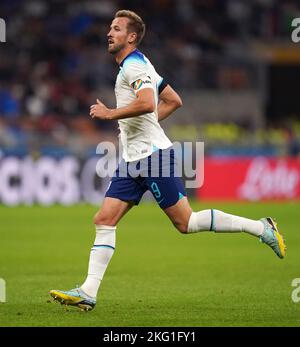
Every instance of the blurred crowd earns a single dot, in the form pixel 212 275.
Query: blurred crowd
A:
pixel 54 64
pixel 231 139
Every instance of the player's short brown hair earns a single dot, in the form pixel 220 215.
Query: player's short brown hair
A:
pixel 135 24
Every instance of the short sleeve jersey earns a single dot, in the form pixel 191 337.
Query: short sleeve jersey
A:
pixel 140 135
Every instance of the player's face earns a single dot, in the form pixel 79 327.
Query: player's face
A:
pixel 118 35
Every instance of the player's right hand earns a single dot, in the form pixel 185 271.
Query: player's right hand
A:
pixel 99 110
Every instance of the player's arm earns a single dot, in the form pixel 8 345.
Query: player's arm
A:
pixel 168 103
pixel 144 103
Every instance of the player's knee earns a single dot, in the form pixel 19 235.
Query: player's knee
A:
pixel 181 227
pixel 102 220
pixel 97 220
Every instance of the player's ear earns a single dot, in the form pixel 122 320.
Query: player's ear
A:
pixel 132 37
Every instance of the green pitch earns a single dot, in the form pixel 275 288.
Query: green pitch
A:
pixel 157 276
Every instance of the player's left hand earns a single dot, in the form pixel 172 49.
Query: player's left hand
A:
pixel 99 110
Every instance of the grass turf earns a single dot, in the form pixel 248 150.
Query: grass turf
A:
pixel 157 276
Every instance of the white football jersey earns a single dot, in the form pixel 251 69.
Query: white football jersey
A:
pixel 140 135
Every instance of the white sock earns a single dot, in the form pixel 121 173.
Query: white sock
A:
pixel 218 221
pixel 100 256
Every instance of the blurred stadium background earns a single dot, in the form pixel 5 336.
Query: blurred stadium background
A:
pixel 233 62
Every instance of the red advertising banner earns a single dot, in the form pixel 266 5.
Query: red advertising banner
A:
pixel 253 179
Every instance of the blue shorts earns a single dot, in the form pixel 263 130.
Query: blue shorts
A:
pixel 158 173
